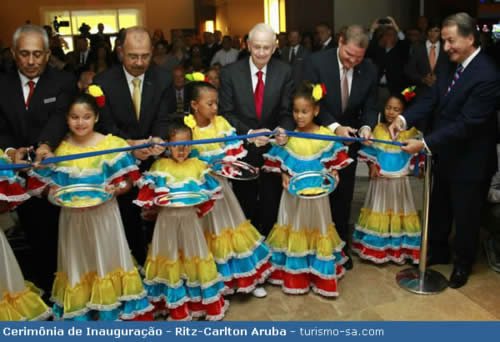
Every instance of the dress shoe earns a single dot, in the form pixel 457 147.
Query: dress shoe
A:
pixel 348 264
pixel 459 276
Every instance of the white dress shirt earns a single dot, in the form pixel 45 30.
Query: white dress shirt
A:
pixel 130 78
pixel 437 45
pixel 253 72
pixel 25 86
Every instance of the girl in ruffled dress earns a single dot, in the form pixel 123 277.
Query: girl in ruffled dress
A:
pixel 20 300
pixel 388 227
pixel 307 250
pixel 96 277
pixel 180 271
pixel 239 250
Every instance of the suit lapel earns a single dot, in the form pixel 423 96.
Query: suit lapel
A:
pixel 336 84
pixel 268 89
pixel 17 98
pixel 355 86
pixel 147 97
pixel 247 85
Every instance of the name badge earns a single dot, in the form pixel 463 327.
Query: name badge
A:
pixel 49 100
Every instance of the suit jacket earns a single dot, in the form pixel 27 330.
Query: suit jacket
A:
pixel 298 64
pixel 45 119
pixel 118 115
pixel 391 63
pixel 236 96
pixel 418 66
pixel 323 67
pixel 464 132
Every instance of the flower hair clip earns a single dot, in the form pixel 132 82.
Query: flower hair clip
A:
pixel 98 94
pixel 197 77
pixel 190 121
pixel 319 91
pixel 409 93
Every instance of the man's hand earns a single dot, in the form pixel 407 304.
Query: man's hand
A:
pixel 262 140
pixel 413 146
pixel 281 137
pixel 393 23
pixel 366 133
pixel 143 153
pixel 373 171
pixel 156 150
pixel 395 127
pixel 345 131
pixel 374 25
pixel 429 79
pixel 335 174
pixel 285 180
pixel 42 152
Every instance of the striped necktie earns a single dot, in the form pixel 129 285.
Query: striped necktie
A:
pixel 456 77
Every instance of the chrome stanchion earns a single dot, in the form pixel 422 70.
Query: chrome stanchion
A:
pixel 423 280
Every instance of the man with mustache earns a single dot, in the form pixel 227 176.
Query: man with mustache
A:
pixel 139 97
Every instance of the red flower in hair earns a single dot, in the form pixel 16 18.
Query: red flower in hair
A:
pixel 207 79
pixel 323 88
pixel 100 101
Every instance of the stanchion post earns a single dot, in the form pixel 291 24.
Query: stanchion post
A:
pixel 423 280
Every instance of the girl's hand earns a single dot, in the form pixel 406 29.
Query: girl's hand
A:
pixel 373 171
pixel 285 180
pixel 335 174
pixel 120 188
pixel 281 137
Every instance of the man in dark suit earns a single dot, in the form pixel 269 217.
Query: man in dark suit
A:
pixel 325 38
pixel 139 97
pixel 465 98
pixel 427 61
pixel 295 54
pixel 33 106
pixel 256 96
pixel 348 108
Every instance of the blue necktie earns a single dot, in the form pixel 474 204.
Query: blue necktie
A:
pixel 459 71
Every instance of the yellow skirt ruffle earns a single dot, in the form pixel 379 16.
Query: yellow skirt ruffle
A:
pixel 97 293
pixel 241 240
pixel 303 241
pixel 390 222
pixel 194 270
pixel 26 305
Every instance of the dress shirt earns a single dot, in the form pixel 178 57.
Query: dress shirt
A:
pixel 253 72
pixel 25 86
pixel 437 45
pixel 130 78
pixel 225 57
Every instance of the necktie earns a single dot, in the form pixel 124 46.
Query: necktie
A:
pixel 292 55
pixel 82 58
pixel 259 94
pixel 180 102
pixel 344 89
pixel 31 84
pixel 432 57
pixel 457 75
pixel 136 97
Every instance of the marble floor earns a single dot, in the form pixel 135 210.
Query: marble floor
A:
pixel 370 293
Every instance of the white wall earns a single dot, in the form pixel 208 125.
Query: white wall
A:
pixel 363 12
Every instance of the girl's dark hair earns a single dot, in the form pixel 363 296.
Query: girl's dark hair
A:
pixel 176 124
pixel 305 90
pixel 84 98
pixel 194 89
pixel 397 96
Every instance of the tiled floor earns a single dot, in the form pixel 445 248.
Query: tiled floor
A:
pixel 370 292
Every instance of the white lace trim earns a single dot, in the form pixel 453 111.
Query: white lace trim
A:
pixel 401 260
pixel 337 249
pixel 137 313
pixel 386 247
pixel 233 255
pixel 385 235
pixel 44 316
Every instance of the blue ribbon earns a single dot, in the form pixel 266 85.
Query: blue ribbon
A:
pixel 314 136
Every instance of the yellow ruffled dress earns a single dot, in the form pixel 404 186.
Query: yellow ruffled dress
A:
pixel 20 300
pixel 388 227
pixel 96 277
pixel 239 249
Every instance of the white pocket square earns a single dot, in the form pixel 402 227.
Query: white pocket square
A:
pixel 49 100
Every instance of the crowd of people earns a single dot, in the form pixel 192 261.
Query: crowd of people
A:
pixel 95 263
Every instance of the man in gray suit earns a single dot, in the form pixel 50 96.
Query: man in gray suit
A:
pixel 295 54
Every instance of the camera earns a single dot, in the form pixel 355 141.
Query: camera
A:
pixel 57 24
pixel 384 21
